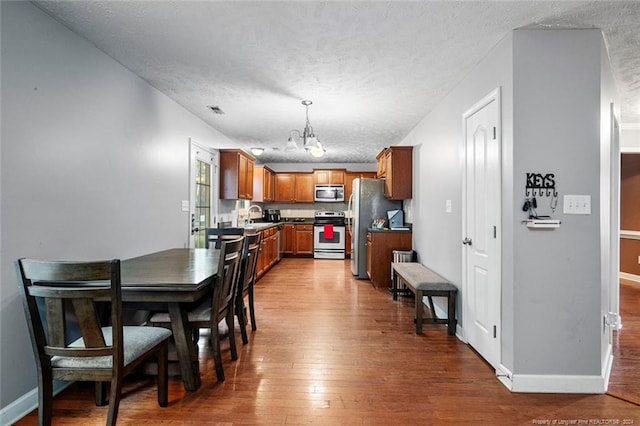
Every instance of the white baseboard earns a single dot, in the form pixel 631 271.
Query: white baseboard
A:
pixel 630 277
pixel 26 404
pixel 556 383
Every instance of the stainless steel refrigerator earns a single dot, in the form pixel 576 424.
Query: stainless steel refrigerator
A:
pixel 367 202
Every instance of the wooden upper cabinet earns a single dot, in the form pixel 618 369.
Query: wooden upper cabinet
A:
pixel 263 184
pixel 381 160
pixel 285 186
pixel 236 175
pixel 295 187
pixel 396 164
pixel 304 190
pixel 331 176
pixel 348 181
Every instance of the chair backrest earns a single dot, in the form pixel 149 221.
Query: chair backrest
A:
pixel 249 262
pixel 217 236
pixel 227 278
pixel 67 289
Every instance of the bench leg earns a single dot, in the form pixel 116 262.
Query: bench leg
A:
pixel 394 287
pixel 418 313
pixel 451 313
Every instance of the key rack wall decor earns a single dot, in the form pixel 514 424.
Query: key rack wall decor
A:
pixel 539 185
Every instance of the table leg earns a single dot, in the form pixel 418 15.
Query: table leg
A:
pixel 418 312
pixel 451 313
pixel 187 356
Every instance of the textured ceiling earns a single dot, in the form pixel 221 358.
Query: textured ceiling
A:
pixel 372 69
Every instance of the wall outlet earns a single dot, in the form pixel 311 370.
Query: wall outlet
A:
pixel 577 204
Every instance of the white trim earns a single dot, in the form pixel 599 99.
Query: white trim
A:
pixel 630 277
pixel 556 383
pixel 630 235
pixel 608 365
pixel 630 126
pixel 27 403
pixel 505 376
pixel 630 150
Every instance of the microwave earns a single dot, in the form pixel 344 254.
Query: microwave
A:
pixel 329 193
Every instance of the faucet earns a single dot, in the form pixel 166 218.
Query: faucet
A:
pixel 251 207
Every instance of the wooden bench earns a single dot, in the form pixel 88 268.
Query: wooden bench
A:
pixel 422 281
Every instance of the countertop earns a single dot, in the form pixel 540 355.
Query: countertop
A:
pixel 387 230
pixel 260 226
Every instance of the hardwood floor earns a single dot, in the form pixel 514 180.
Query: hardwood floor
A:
pixel 330 349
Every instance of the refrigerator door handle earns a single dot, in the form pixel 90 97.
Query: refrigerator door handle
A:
pixel 350 221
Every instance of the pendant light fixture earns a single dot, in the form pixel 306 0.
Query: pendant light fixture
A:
pixel 310 141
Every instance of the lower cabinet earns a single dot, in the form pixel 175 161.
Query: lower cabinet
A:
pixel 380 246
pixel 303 241
pixel 268 255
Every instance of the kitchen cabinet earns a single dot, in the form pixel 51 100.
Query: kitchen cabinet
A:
pixel 380 246
pixel 304 188
pixel 294 187
pixel 330 176
pixel 268 255
pixel 303 242
pixel 395 166
pixel 263 184
pixel 288 235
pixel 347 243
pixel 236 175
pixel 348 181
pixel 285 185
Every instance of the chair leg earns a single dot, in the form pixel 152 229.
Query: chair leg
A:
pixel 101 394
pixel 232 334
pixel 251 311
pixel 163 374
pixel 45 399
pixel 114 400
pixel 217 356
pixel 242 320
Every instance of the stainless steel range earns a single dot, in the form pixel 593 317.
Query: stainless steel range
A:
pixel 329 235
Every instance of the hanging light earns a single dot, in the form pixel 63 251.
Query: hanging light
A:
pixel 310 141
pixel 257 151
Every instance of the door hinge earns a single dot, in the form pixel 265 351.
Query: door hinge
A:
pixel 495 333
pixel 494 231
pixel 494 133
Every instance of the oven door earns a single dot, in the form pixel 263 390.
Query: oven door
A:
pixel 329 245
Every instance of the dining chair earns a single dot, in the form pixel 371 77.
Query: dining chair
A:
pixel 216 236
pixel 54 295
pixel 245 283
pixel 218 307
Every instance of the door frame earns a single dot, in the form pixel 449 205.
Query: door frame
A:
pixel 199 151
pixel 493 96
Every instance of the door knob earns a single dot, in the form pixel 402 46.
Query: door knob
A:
pixel 467 241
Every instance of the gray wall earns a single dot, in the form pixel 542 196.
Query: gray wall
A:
pixel 555 86
pixel 437 141
pixel 94 165
pixel 557 274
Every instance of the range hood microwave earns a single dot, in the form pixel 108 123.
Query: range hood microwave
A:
pixel 329 194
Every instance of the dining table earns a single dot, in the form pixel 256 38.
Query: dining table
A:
pixel 173 279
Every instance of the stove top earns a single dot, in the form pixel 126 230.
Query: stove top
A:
pixel 324 217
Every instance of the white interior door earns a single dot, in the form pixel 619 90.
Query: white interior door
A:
pixel 481 228
pixel 203 198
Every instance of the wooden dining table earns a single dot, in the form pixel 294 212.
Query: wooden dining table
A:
pixel 173 279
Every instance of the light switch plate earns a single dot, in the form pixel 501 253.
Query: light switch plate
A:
pixel 447 206
pixel 577 204
pixel 185 205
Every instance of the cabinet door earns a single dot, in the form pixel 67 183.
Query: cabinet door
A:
pixel 289 238
pixel 382 164
pixel 269 190
pixel 399 172
pixel 330 176
pixel 304 188
pixel 285 187
pixel 304 239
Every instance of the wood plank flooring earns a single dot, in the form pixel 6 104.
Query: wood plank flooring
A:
pixel 332 350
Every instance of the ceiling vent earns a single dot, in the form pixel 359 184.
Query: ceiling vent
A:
pixel 215 109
